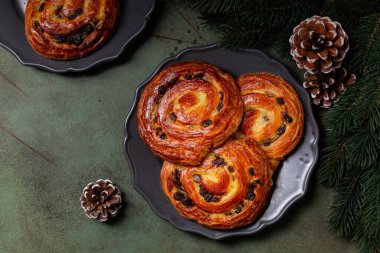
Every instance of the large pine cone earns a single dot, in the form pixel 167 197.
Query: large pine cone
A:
pixel 325 89
pixel 319 44
pixel 101 200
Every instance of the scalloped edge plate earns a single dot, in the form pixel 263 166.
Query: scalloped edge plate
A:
pixel 291 179
pixel 133 18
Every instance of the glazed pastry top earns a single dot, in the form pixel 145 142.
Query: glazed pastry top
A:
pixel 228 190
pixel 187 110
pixel 273 114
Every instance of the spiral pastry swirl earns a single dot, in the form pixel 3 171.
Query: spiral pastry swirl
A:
pixel 68 29
pixel 228 190
pixel 187 110
pixel 273 114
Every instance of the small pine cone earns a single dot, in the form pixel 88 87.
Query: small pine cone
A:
pixel 325 89
pixel 101 200
pixel 318 44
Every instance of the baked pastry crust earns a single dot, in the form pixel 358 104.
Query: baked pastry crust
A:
pixel 273 114
pixel 187 110
pixel 68 29
pixel 228 190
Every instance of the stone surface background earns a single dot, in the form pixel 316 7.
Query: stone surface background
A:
pixel 59 132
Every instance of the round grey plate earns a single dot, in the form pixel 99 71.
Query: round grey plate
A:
pixel 133 17
pixel 291 179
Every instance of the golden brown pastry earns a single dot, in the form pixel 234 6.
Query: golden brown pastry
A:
pixel 187 110
pixel 228 190
pixel 273 114
pixel 67 29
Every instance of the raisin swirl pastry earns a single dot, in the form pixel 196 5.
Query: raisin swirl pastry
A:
pixel 187 110
pixel 68 29
pixel 228 190
pixel 273 114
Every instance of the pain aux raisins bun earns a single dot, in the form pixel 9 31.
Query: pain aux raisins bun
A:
pixel 221 141
pixel 273 114
pixel 68 29
pixel 187 110
pixel 228 190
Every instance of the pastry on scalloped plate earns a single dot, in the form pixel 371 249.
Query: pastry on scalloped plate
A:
pixel 69 29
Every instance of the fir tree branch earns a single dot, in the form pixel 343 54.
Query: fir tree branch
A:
pixel 367 112
pixel 346 204
pixel 253 23
pixel 367 234
pixel 339 119
pixel 216 6
pixel 363 148
pixel 333 162
pixel 279 13
pixel 349 12
pixel 359 105
pixel 282 46
pixel 366 41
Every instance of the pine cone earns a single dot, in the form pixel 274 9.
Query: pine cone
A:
pixel 101 200
pixel 325 89
pixel 319 44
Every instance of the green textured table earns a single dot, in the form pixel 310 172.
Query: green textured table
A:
pixel 59 132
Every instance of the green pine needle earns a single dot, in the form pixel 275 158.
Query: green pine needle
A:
pixel 339 119
pixel 349 12
pixel 367 234
pixel 358 106
pixel 346 204
pixel 366 46
pixel 282 46
pixel 333 162
pixel 216 6
pixel 253 23
pixel 363 148
pixel 367 112
pixel 278 13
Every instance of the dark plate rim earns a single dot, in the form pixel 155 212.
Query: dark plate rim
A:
pixel 93 64
pixel 226 233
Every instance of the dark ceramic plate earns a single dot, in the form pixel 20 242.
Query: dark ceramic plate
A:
pixel 292 177
pixel 134 15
